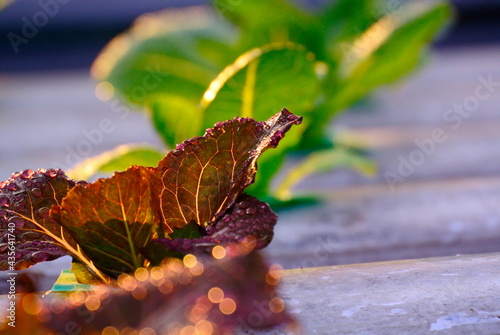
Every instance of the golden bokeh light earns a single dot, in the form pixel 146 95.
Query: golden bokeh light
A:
pixel 174 328
pixel 190 261
pixel 110 331
pixel 218 252
pixel 157 273
pixel 141 274
pixel 204 327
pixel 139 293
pixel 247 245
pixel 188 330
pixel 57 306
pixel 31 304
pixel 276 305
pixel 166 287
pixel 104 91
pixel 127 282
pixel 197 312
pixel 75 298
pixel 227 306
pixel 184 278
pixel 197 270
pixel 215 295
pixel 173 264
pixel 310 56
pixel 92 302
pixel 147 331
pixel 129 331
pixel 274 275
pixel 101 291
pixel 321 69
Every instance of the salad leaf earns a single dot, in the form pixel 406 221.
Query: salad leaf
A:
pixel 165 52
pixel 274 21
pixel 117 159
pixel 203 176
pixel 256 84
pixel 29 234
pixel 248 221
pixel 316 60
pixel 249 217
pixel 345 19
pixel 390 48
pixel 112 219
pixel 323 161
pixel 175 118
pixel 189 231
pixel 196 192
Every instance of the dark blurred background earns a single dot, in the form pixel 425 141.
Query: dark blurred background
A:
pixel 73 40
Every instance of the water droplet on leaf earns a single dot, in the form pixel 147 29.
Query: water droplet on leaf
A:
pixel 36 192
pixel 51 173
pixel 4 202
pixel 244 204
pixel 43 212
pixel 12 186
pixel 41 256
pixel 251 211
pixel 27 174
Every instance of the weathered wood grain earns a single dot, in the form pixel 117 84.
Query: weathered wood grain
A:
pixel 452 295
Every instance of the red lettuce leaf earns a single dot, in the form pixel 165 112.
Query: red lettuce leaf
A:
pixel 203 176
pixel 28 235
pixel 112 219
pixel 248 219
pixel 174 296
pixel 108 225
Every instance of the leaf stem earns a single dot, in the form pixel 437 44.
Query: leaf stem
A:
pixel 248 93
pixel 135 259
pixel 64 243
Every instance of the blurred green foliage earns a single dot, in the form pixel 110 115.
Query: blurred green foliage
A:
pixel 4 3
pixel 189 68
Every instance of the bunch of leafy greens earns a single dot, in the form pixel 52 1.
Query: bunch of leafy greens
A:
pixel 191 206
pixel 192 201
pixel 190 67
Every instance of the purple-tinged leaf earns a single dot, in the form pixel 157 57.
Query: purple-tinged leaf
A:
pixel 248 219
pixel 27 233
pixel 203 176
pixel 108 225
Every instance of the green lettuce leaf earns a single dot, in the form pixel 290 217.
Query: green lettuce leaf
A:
pixel 117 159
pixel 165 52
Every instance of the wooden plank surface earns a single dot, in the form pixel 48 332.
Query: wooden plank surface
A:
pixel 441 296
pixel 371 223
pixel 46 119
